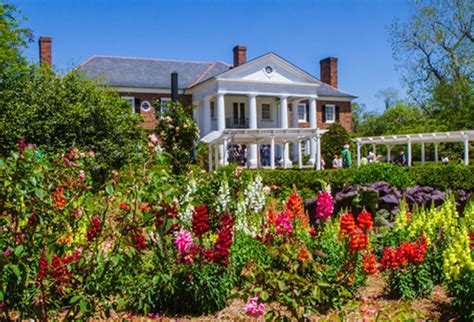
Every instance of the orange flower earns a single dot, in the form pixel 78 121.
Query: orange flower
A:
pixel 347 224
pixel 364 221
pixel 368 264
pixel 358 240
pixel 294 206
pixel 303 254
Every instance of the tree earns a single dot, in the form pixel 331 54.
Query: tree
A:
pixel 389 95
pixel 13 41
pixel 434 50
pixel 333 141
pixel 65 112
pixel 178 132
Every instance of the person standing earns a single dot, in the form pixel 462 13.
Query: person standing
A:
pixel 402 158
pixel 346 157
pixel 335 162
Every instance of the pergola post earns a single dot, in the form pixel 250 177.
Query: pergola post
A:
pixel 409 153
pixel 259 160
pixel 436 153
pixel 284 148
pixel 358 154
pixel 224 161
pixel 272 154
pixel 210 157
pixel 422 153
pixel 216 156
pixel 466 150
pixel 389 153
pixel 300 159
pixel 374 149
pixel 318 152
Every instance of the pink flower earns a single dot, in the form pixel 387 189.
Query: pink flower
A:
pixel 325 206
pixel 312 232
pixel 283 224
pixel 7 252
pixel 184 242
pixel 82 175
pixel 254 309
pixel 368 311
pixel 153 138
pixel 92 153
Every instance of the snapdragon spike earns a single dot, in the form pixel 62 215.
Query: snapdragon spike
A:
pixel 364 221
pixel 325 206
pixel 347 224
pixel 95 229
pixel 369 264
pixel 200 221
pixel 224 240
pixel 406 253
pixel 283 224
pixel 294 206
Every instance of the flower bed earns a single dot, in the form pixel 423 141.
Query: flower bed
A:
pixel 152 243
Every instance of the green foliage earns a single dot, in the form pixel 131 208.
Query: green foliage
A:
pixel 178 133
pixel 412 282
pixel 393 174
pixel 13 41
pixel 463 292
pixel 60 112
pixel 451 177
pixel 333 141
pixel 440 177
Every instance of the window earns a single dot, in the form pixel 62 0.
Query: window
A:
pixel 145 106
pixel 301 113
pixel 266 113
pixel 164 104
pixel 213 111
pixel 268 69
pixel 330 113
pixel 132 102
pixel 239 114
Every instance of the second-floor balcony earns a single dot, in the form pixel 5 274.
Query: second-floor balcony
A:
pixel 236 123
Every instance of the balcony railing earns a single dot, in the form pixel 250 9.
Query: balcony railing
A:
pixel 237 123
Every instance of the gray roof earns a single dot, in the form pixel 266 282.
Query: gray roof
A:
pixel 149 73
pixel 156 73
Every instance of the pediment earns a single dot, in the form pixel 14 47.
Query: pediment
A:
pixel 269 68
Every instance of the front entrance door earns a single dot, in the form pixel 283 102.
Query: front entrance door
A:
pixel 239 120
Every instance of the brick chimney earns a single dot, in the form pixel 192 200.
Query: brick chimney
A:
pixel 329 71
pixel 240 55
pixel 45 51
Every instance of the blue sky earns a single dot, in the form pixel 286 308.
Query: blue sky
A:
pixel 303 32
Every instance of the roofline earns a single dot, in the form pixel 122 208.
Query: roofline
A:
pixel 154 59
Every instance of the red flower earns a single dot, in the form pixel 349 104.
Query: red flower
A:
pixel 58 200
pixel 95 230
pixel 347 224
pixel 406 253
pixel 364 221
pixel 200 221
pixel 294 206
pixel 368 264
pixel 358 240
pixel 224 240
pixel 138 239
pixel 303 254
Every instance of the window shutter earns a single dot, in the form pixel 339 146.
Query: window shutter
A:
pixel 324 113
pixel 138 102
pixel 307 113
pixel 337 114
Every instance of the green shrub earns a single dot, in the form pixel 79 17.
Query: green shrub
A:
pixel 452 177
pixel 333 141
pixel 393 174
pixel 463 292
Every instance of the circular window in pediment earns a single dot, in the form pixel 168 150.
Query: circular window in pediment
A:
pixel 145 106
pixel 268 69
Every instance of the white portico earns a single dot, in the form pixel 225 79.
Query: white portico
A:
pixel 258 95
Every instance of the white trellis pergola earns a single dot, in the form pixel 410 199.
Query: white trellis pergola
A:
pixel 272 137
pixel 421 138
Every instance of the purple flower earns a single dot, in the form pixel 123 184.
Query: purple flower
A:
pixel 153 138
pixel 254 309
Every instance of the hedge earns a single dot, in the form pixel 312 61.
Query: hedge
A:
pixel 440 177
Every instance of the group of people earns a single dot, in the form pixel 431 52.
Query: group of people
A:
pixel 343 160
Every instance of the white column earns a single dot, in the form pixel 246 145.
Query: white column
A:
pixel 409 153
pixel 216 156
pixel 224 161
pixel 252 156
pixel 210 157
pixel 272 154
pixel 436 153
pixel 300 158
pixel 422 154
pixel 207 116
pixel 221 122
pixel 318 152
pixel 284 125
pixel 374 149
pixel 294 124
pixel 312 124
pixel 389 153
pixel 358 154
pixel 466 151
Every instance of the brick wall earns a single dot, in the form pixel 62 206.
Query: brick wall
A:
pixel 149 119
pixel 345 115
